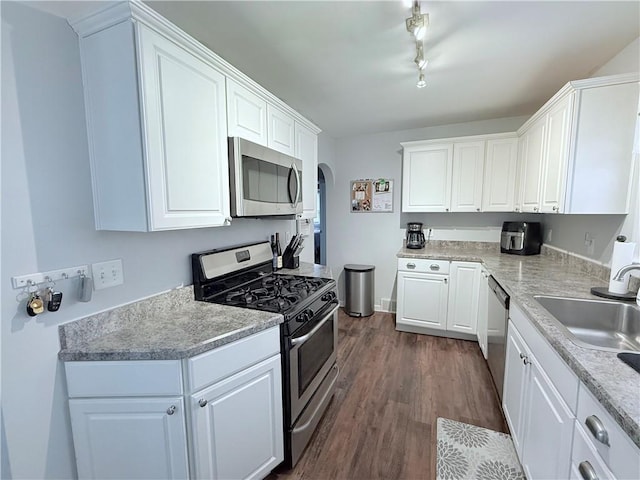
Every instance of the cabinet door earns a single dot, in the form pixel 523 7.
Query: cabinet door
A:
pixel 462 315
pixel 129 438
pixel 185 136
pixel 237 424
pixel 426 178
pixel 547 429
pixel 500 171
pixel 422 300
pixel 468 173
pixel 515 381
pixel 307 151
pixel 531 167
pixel 556 156
pixel 246 114
pixel 280 131
pixel 483 311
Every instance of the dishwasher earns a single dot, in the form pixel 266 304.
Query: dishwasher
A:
pixel 498 316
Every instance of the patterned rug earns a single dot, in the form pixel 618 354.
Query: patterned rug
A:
pixel 469 452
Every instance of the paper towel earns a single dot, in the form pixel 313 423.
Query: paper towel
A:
pixel 622 255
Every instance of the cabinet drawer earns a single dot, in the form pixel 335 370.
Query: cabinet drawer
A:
pixel 561 376
pixel 583 451
pixel 222 362
pixel 124 378
pixel 621 455
pixel 423 265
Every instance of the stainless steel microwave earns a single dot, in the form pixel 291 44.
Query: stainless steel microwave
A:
pixel 264 182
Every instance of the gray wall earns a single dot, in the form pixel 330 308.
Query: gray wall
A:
pixel 47 223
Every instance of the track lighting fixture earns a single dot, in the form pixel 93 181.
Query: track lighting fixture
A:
pixel 417 25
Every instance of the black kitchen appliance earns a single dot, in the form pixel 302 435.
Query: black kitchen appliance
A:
pixel 521 238
pixel 243 277
pixel 415 236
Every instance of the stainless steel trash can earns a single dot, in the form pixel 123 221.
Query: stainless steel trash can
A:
pixel 359 283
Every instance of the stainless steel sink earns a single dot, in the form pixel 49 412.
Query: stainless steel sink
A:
pixel 605 325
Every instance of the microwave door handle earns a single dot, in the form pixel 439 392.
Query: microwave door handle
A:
pixel 297 175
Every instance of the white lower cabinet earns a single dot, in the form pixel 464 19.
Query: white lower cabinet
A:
pixel 437 297
pixel 221 419
pixel 129 438
pixel 541 423
pixel 464 293
pixel 237 424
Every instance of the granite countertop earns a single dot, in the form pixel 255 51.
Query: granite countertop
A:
pixel 614 383
pixel 168 326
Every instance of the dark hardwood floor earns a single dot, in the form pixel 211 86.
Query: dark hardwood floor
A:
pixel 392 387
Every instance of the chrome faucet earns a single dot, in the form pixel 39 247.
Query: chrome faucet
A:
pixel 626 269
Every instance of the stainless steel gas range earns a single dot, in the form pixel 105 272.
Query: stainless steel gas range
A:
pixel 242 276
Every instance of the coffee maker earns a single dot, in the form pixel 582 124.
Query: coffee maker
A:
pixel 415 237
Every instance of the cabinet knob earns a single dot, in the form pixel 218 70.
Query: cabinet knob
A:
pixel 411 265
pixel 555 209
pixel 477 209
pixel 596 427
pixel 517 209
pixel 202 402
pixel 446 280
pixel 227 221
pixel 171 410
pixel 446 209
pixel 535 209
pixel 586 471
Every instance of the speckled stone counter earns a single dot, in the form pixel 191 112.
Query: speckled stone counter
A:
pixel 168 326
pixel 615 384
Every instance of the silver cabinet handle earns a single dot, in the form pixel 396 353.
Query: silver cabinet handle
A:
pixel 586 471
pixel 411 265
pixel 555 209
pixel 535 209
pixel 171 410
pixel 203 402
pixel 434 266
pixel 521 355
pixel 597 429
pixel 526 360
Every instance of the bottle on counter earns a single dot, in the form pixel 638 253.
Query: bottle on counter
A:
pixel 274 252
pixel 278 252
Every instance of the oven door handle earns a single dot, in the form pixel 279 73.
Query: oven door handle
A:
pixel 304 338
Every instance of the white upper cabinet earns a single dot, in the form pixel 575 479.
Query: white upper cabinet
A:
pixel 531 162
pixel 462 174
pixel 468 173
pixel 427 171
pixel 156 120
pixel 157 103
pixel 586 132
pixel 500 175
pixel 246 114
pixel 307 150
pixel 280 131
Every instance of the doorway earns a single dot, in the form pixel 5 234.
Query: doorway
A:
pixel 320 222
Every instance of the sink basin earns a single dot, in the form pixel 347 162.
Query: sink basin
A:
pixel 604 325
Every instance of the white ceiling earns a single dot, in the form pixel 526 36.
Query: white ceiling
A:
pixel 348 66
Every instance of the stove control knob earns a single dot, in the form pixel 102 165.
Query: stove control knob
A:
pixel 327 297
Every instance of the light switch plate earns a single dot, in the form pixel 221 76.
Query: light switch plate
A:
pixel 107 274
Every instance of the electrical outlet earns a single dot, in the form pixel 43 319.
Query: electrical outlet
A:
pixel 549 235
pixel 107 274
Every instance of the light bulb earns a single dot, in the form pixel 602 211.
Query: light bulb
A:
pixel 421 82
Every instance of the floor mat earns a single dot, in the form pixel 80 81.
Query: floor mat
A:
pixel 469 452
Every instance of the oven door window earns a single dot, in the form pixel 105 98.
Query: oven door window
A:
pixel 313 354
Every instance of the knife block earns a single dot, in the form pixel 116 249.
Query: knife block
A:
pixel 290 261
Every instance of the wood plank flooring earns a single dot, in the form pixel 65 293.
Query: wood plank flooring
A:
pixel 392 387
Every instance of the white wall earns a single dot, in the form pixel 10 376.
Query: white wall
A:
pixel 375 238
pixel 47 223
pixel 569 230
